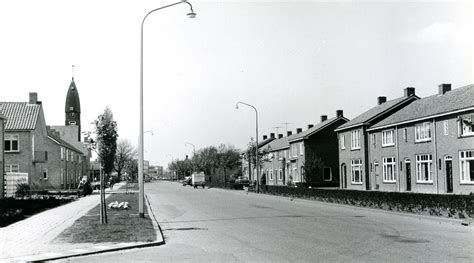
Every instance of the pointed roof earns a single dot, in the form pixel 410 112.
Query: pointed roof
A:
pixel 20 115
pixel 435 105
pixel 72 99
pixel 376 112
pixel 318 127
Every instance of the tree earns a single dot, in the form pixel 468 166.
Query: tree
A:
pixel 313 166
pixel 206 160
pixel 250 155
pixel 124 155
pixel 106 132
pixel 228 158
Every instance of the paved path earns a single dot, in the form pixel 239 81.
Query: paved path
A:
pixel 215 225
pixel 34 237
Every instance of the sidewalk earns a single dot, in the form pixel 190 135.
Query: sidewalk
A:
pixel 33 239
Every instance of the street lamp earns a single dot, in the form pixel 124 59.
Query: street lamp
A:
pixel 141 197
pixel 256 139
pixel 194 148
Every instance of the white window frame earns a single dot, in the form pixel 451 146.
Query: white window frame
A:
pixel 355 139
pixel 389 169
pixel 62 153
pixel 67 155
pixel 61 176
pixel 301 148
pixel 446 127
pixel 280 174
pixel 423 132
pixel 388 138
pixel 424 161
pixel 271 175
pixel 9 168
pixel 294 173
pixel 343 141
pixel 464 129
pixel 356 166
pixel 11 139
pixel 465 158
pixel 330 174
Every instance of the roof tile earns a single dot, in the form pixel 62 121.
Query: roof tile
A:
pixel 20 115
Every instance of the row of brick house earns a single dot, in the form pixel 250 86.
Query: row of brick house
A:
pixel 408 144
pixel 49 157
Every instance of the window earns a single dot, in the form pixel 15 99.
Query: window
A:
pixel 466 125
pixel 45 174
pixel 405 135
pixel 12 168
pixel 61 176
pixel 276 156
pixel 294 150
pixel 387 138
pixel 302 173
pixel 271 174
pixel 466 164
pixel 423 132
pixel 280 174
pixel 355 139
pixel 374 140
pixel 343 142
pixel 388 169
pixel 446 127
pixel 327 174
pixel 424 169
pixel 67 154
pixel 11 142
pixel 294 172
pixel 356 171
pixel 301 148
pixel 62 153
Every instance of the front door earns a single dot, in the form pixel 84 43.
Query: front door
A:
pixel 408 173
pixel 449 176
pixel 344 176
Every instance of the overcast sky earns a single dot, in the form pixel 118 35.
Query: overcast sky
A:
pixel 294 61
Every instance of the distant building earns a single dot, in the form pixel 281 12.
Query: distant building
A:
pixel 315 150
pixel 354 141
pixel 248 170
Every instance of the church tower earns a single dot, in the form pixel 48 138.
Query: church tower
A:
pixel 73 108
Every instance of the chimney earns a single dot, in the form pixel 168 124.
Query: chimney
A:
pixel 443 88
pixel 299 130
pixel 265 137
pixel 381 99
pixel 288 133
pixel 280 136
pixel 310 126
pixel 33 97
pixel 272 135
pixel 339 113
pixel 324 118
pixel 409 91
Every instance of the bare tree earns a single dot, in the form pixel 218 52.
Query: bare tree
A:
pixel 123 156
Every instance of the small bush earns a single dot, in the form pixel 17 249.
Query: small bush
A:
pixel 22 189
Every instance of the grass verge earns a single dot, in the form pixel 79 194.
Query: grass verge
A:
pixel 123 225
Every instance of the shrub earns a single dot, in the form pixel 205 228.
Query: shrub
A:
pixel 22 189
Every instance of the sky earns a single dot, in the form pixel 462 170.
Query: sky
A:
pixel 293 61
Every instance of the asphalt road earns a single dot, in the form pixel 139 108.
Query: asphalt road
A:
pixel 215 225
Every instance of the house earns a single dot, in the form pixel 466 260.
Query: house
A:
pixel 2 128
pixel 247 170
pixel 314 150
pixel 426 147
pixel 354 142
pixel 33 151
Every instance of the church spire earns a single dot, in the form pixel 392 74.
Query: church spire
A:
pixel 73 106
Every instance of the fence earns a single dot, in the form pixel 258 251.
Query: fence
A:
pixel 11 182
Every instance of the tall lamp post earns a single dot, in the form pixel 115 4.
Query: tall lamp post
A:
pixel 141 197
pixel 256 140
pixel 194 148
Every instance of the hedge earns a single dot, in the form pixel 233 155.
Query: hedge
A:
pixel 457 206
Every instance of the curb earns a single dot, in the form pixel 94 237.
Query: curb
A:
pixel 83 252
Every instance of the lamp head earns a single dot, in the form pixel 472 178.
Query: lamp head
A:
pixel 191 15
pixel 236 106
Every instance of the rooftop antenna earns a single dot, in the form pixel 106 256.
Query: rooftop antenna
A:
pixel 286 126
pixel 277 128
